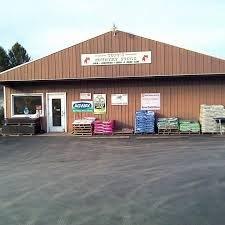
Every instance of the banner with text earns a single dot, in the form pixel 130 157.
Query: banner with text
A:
pixel 116 58
pixel 150 101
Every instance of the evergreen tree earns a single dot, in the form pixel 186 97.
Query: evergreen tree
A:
pixel 4 60
pixel 18 55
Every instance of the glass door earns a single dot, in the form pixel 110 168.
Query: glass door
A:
pixel 56 112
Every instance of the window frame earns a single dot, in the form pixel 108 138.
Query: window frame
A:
pixel 27 95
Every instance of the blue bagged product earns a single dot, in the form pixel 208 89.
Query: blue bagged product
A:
pixel 145 122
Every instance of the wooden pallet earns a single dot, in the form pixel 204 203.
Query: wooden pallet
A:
pixel 105 134
pixel 16 135
pixel 211 133
pixel 82 125
pixel 143 134
pixel 83 129
pixel 83 134
pixel 123 133
pixel 20 124
pixel 189 133
pixel 168 131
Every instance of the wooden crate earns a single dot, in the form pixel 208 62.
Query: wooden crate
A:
pixel 82 129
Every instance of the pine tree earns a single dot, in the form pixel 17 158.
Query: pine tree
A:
pixel 18 55
pixel 4 60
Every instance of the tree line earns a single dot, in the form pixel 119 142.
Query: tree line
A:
pixel 15 56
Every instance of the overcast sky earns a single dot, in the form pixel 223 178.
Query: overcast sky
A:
pixel 45 26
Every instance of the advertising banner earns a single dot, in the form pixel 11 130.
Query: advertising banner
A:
pixel 119 99
pixel 150 101
pixel 82 106
pixel 99 103
pixel 116 58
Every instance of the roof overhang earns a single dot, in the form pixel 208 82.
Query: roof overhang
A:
pixel 66 80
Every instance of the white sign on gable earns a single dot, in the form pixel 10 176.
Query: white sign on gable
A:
pixel 116 58
pixel 150 101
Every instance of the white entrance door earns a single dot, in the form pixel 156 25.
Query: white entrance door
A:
pixel 56 108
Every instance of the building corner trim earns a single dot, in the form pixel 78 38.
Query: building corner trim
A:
pixel 4 100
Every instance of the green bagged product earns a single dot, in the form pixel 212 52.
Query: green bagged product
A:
pixel 189 126
pixel 168 123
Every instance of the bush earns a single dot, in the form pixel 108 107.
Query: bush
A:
pixel 1 115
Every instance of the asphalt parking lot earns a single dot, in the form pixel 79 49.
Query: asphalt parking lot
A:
pixel 65 181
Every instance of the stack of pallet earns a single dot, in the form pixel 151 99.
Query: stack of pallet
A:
pixel 168 126
pixel 189 127
pixel 145 122
pixel 208 113
pixel 21 126
pixel 83 127
pixel 104 127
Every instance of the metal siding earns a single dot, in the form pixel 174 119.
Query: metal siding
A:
pixel 185 61
pixel 43 69
pixel 84 69
pixel 176 62
pixel 222 65
pixel 180 98
pixel 29 71
pixel 153 64
pixel 139 66
pixel 129 48
pixel 101 70
pixel 170 48
pixel 122 48
pixel 215 65
pixel 107 48
pixel 70 61
pixel 32 71
pixel 166 60
pixel 51 66
pixel 161 59
pixel 66 65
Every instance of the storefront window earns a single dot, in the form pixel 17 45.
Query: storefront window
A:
pixel 29 104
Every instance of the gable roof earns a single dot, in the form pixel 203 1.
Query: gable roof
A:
pixel 167 60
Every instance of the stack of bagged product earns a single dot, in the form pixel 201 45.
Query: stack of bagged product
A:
pixel 208 113
pixel 168 123
pixel 145 122
pixel 189 126
pixel 104 127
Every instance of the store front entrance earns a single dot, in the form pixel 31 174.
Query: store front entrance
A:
pixel 56 112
